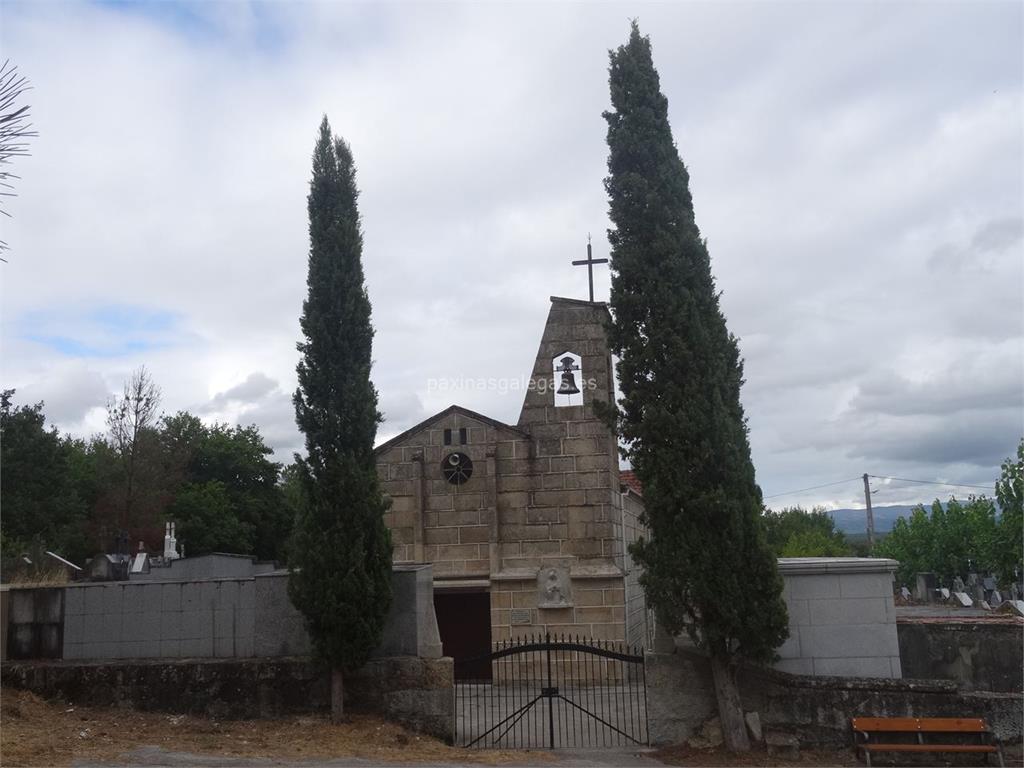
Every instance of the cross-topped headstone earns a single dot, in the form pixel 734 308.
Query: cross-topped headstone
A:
pixel 590 261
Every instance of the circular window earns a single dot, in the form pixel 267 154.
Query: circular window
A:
pixel 457 468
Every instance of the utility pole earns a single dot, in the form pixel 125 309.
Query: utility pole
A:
pixel 871 515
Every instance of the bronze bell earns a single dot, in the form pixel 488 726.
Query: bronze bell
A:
pixel 568 385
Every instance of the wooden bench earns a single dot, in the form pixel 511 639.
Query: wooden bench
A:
pixel 924 734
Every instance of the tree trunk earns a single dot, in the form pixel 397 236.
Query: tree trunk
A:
pixel 730 708
pixel 337 696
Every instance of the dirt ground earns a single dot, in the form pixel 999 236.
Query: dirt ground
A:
pixel 713 758
pixel 34 732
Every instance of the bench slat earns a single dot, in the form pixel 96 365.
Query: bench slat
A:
pixel 920 724
pixel 928 747
pixel 885 723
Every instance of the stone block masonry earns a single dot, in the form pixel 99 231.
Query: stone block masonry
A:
pixel 815 710
pixel 418 693
pixel 842 618
pixel 543 496
pixel 978 653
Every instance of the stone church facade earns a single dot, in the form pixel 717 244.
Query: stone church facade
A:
pixel 527 524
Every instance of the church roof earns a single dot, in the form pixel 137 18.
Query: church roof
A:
pixel 581 303
pixel 440 415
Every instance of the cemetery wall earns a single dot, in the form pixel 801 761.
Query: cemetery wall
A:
pixel 817 710
pixel 214 565
pixel 637 631
pixel 416 692
pixel 981 654
pixel 213 618
pixel 4 602
pixel 842 617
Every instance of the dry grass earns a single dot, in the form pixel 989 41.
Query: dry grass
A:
pixel 34 732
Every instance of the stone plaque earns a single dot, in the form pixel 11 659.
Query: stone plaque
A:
pixel 521 616
pixel 553 588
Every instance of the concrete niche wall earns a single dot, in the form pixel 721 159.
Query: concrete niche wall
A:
pixel 213 618
pixel 842 618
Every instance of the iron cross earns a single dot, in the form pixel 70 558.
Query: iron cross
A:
pixel 590 261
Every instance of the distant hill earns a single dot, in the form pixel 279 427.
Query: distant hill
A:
pixel 855 520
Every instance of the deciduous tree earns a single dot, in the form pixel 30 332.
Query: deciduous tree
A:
pixel 231 464
pixel 795 532
pixel 131 421
pixel 40 497
pixel 708 570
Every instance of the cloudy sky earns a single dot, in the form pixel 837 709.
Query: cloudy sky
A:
pixel 856 168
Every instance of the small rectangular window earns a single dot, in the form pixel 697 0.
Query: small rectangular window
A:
pixel 462 435
pixel 447 437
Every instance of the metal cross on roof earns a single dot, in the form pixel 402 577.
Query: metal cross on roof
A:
pixel 590 261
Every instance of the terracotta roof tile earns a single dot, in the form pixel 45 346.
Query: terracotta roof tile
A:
pixel 629 479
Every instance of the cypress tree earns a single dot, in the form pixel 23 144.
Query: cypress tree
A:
pixel 707 567
pixel 341 550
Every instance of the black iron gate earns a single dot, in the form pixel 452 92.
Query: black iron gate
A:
pixel 552 692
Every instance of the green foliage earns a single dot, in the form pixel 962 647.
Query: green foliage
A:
pixel 341 556
pixel 951 541
pixel 959 538
pixel 1008 540
pixel 41 485
pixel 69 495
pixel 207 520
pixel 233 460
pixel 814 544
pixel 707 566
pixel 795 532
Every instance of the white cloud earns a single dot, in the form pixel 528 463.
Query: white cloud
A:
pixel 855 167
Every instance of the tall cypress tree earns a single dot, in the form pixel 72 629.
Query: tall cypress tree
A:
pixel 341 550
pixel 707 567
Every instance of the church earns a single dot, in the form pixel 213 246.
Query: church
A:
pixel 527 525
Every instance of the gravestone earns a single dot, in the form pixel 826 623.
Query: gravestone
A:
pixel 995 598
pixel 963 599
pixel 978 592
pixel 944 593
pixel 924 587
pixel 905 593
pixel 958 584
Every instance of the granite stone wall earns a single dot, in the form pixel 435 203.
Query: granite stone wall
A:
pixel 638 632
pixel 543 496
pixel 453 527
pixel 418 693
pixel 979 653
pixel 816 710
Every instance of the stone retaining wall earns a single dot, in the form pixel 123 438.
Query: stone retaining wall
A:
pixel 419 693
pixel 981 654
pixel 817 710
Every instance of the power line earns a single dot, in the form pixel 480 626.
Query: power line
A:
pixel 931 482
pixel 812 488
